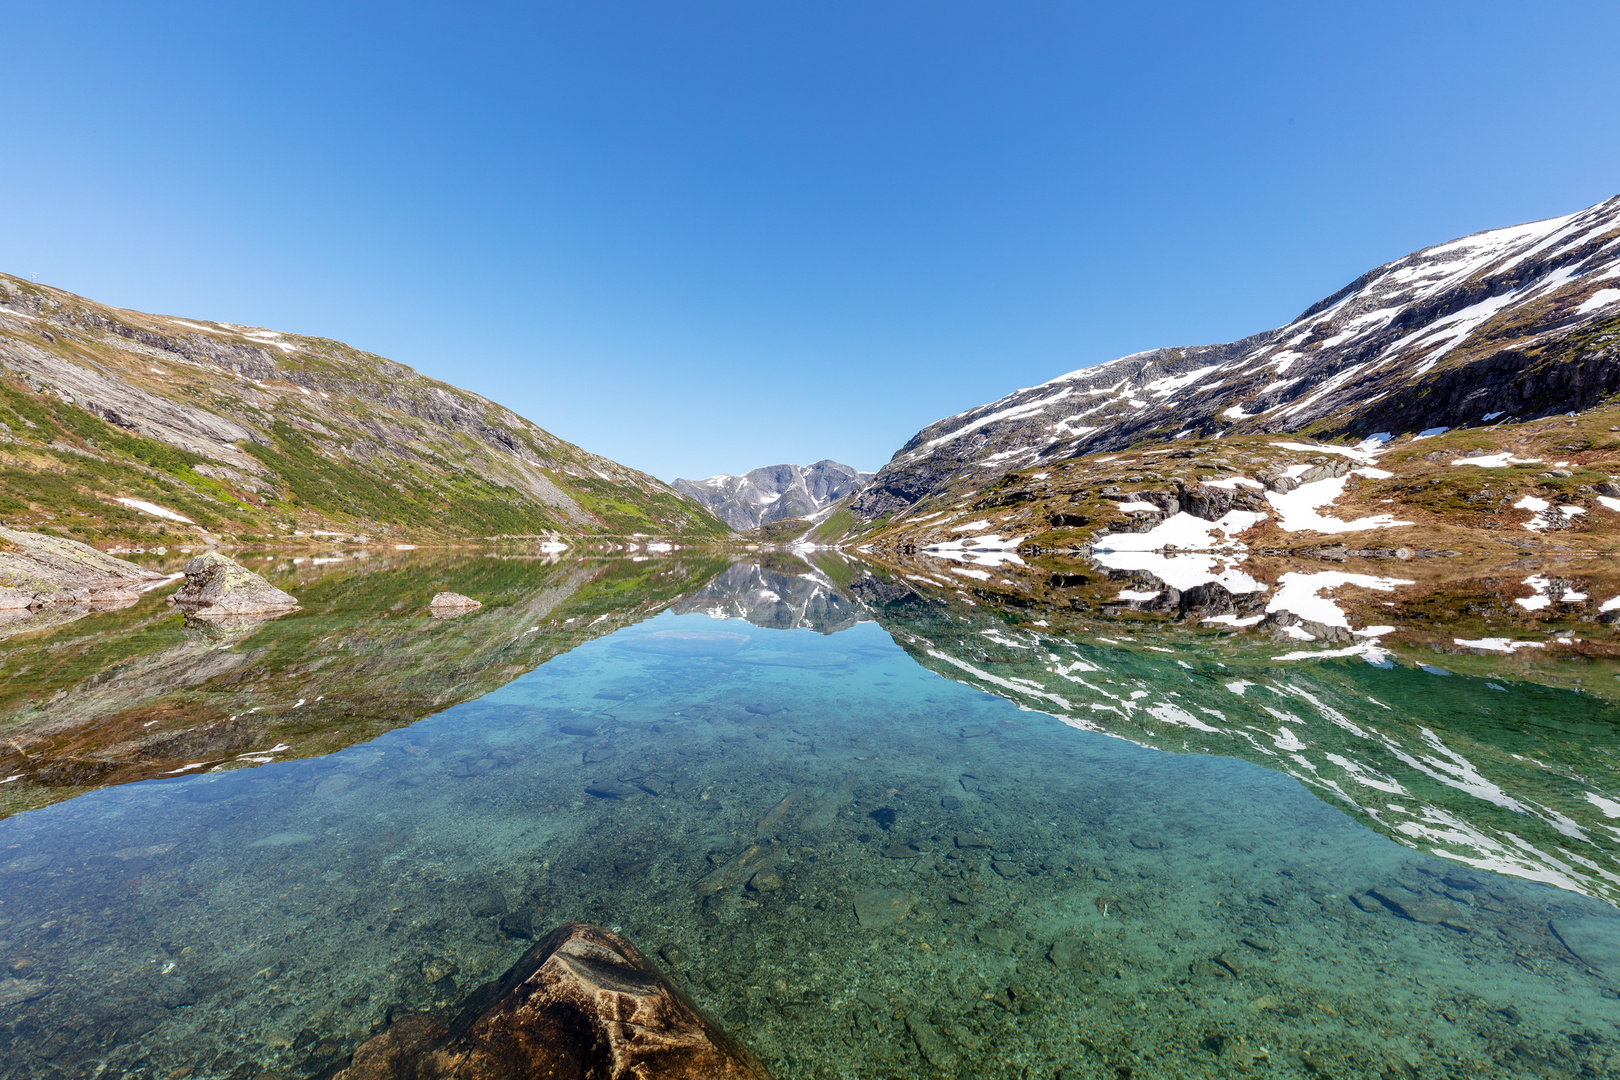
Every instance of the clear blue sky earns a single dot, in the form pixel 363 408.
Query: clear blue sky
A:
pixel 701 237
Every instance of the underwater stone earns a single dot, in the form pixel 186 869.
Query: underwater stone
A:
pixel 930 1043
pixel 518 924
pixel 484 900
pixel 611 789
pixel 216 587
pixel 880 907
pixel 1421 909
pixel 998 938
pixel 766 881
pixel 583 1002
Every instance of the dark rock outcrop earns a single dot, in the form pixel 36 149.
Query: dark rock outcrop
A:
pixel 216 587
pixel 584 1002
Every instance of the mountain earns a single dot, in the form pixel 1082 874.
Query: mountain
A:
pixel 119 424
pixel 779 593
pixel 1507 325
pixel 775 492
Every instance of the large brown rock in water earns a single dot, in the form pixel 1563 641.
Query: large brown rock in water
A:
pixel 584 1004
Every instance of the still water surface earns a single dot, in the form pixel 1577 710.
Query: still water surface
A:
pixel 861 868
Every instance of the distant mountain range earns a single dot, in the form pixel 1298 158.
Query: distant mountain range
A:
pixel 114 423
pixel 1506 325
pixel 775 492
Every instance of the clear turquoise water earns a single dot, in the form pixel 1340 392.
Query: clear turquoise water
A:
pixel 946 885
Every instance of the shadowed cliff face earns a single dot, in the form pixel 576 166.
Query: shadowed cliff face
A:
pixel 142 692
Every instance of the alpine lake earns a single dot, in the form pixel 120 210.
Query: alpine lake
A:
pixel 873 823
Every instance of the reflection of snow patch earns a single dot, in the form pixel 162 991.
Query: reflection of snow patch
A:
pixel 1301 594
pixel 1181 572
pixel 1233 620
pixel 1170 714
pixel 1499 644
pixel 1370 651
pixel 1297 509
pixel 1544 597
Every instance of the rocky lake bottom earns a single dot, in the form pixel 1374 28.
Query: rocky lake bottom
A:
pixel 856 866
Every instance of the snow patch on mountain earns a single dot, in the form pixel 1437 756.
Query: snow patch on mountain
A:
pixel 775 492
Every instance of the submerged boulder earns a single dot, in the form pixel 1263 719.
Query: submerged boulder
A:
pixel 37 569
pixel 447 605
pixel 584 1002
pixel 216 587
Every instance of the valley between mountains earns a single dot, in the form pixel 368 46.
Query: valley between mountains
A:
pixel 1427 458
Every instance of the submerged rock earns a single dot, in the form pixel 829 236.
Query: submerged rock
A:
pixel 583 1002
pixel 216 587
pixel 447 605
pixel 37 570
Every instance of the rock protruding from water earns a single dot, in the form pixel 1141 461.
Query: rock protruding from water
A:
pixel 447 605
pixel 37 570
pixel 583 1002
pixel 217 588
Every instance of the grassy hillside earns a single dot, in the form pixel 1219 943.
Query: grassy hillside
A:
pixel 253 434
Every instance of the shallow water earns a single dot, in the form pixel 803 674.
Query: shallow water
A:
pixel 860 867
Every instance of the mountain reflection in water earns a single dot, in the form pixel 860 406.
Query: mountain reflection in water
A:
pixel 862 869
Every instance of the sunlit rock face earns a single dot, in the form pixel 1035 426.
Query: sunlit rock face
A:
pixel 217 586
pixel 582 1003
pixel 37 570
pixel 775 492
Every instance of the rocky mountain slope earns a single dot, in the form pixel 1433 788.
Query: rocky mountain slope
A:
pixel 116 424
pixel 1501 326
pixel 775 492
